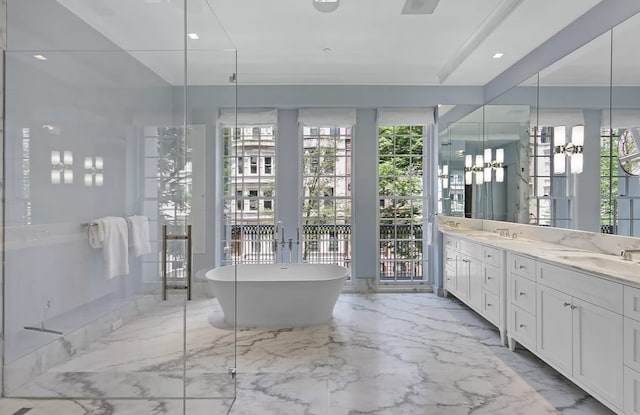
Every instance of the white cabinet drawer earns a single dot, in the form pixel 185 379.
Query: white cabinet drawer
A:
pixel 491 278
pixel 598 291
pixel 523 327
pixel 491 256
pixel 522 265
pixel 450 259
pixel 450 242
pixel 632 343
pixel 631 392
pixel 632 302
pixel 491 307
pixel 522 293
pixel 471 249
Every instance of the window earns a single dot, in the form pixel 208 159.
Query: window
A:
pixel 267 165
pixel 253 200
pixel 249 224
pixel 619 192
pixel 326 205
pixel 400 189
pixel 240 165
pixel 549 193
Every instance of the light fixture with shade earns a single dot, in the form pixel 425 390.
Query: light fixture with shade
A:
pixel 479 169
pixel 559 140
pixel 468 169
pixel 325 6
pixel 487 166
pixel 499 165
pixel 572 149
pixel 490 165
pixel 577 139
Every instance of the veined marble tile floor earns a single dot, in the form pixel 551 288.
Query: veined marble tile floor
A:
pixel 382 354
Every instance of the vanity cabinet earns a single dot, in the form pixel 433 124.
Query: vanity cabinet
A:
pixel 631 350
pixel 474 273
pixel 578 324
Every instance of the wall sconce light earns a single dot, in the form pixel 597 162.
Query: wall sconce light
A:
pixel 497 165
pixel 444 175
pixel 62 167
pixel 470 169
pixel 572 149
pixel 95 167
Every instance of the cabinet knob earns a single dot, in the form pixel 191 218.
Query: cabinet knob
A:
pixel 489 256
pixel 573 307
pixel 567 304
pixel 449 259
pixel 489 278
pixel 489 305
pixel 522 326
pixel 521 294
pixel 522 267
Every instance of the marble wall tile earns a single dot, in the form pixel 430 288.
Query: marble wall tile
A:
pixel 65 348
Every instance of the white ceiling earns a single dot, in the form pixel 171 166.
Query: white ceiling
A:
pixel 370 41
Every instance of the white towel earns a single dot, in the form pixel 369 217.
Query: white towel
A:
pixel 139 234
pixel 110 233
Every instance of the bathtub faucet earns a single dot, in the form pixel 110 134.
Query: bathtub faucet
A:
pixel 279 226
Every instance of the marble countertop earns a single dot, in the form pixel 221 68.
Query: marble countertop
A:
pixel 611 267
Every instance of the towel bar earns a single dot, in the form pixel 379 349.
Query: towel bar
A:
pixel 166 237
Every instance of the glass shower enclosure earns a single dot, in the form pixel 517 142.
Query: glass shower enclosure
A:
pixel 109 166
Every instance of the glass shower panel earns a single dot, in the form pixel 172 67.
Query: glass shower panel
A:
pixel 210 341
pixel 97 151
pixel 85 132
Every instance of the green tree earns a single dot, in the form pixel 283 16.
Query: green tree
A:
pixel 400 169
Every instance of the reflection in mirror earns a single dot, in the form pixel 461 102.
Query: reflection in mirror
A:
pixel 461 151
pixel 621 163
pixel 570 135
pixel 506 143
pixel 629 151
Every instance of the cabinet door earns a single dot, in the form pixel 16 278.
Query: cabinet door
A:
pixel 475 284
pixel 631 392
pixel 462 282
pixel 450 279
pixel 554 327
pixel 597 350
pixel 632 343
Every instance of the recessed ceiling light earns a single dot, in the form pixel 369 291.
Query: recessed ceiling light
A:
pixel 40 57
pixel 326 6
pixel 498 55
pixel 193 36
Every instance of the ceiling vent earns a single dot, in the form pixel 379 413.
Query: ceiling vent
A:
pixel 419 6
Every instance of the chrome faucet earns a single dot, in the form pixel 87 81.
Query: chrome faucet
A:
pixel 627 254
pixel 279 226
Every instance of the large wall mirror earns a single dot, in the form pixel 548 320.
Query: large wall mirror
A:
pixel 562 149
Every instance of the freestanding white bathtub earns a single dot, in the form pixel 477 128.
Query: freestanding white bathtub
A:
pixel 277 295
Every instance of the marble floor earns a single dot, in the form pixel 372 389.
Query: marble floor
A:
pixel 382 354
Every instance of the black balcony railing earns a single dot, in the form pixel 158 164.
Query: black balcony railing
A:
pixel 401 246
